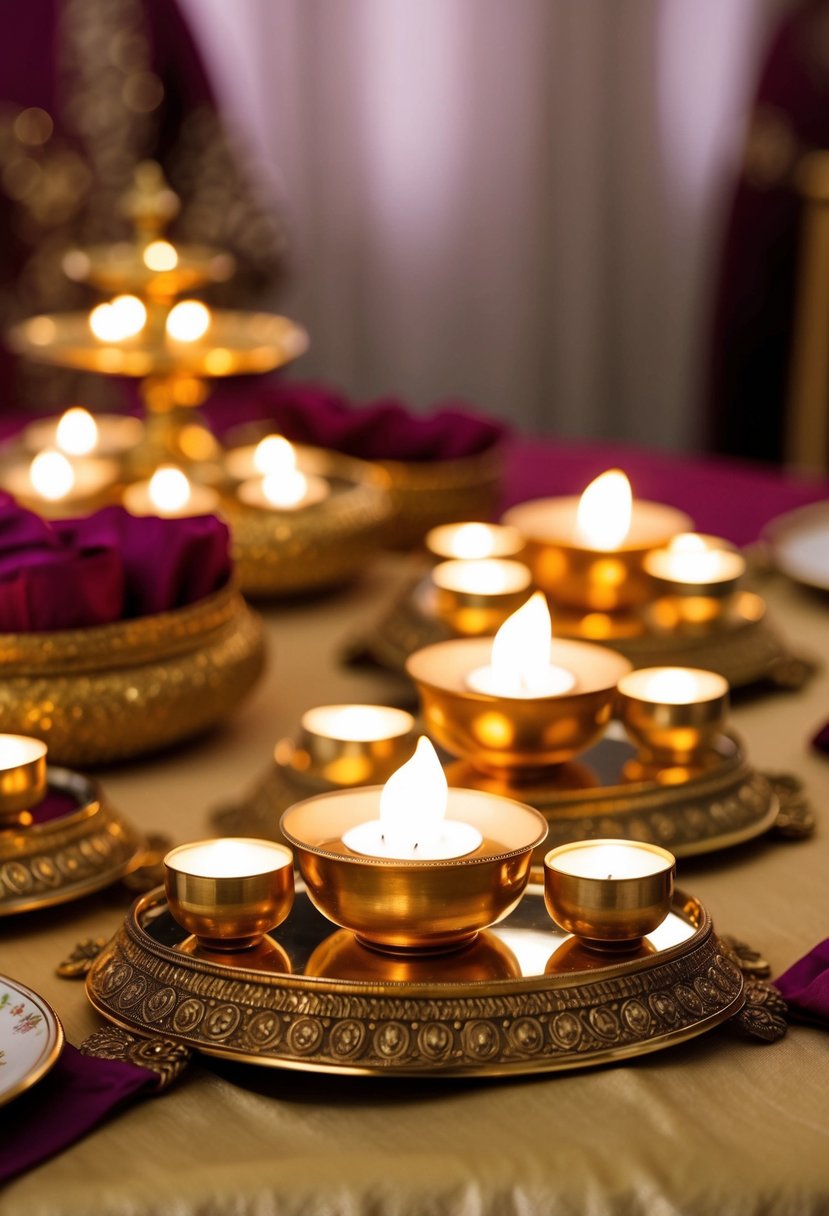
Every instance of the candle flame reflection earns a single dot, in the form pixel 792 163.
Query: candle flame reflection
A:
pixel 605 510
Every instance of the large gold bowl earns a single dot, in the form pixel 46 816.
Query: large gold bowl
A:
pixel 509 735
pixel 114 691
pixel 413 905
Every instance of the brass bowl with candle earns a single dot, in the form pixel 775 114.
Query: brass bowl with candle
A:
pixel 608 911
pixel 22 777
pixel 574 574
pixel 401 905
pixel 231 911
pixel 109 692
pixel 519 738
pixel 673 714
pixel 474 598
pixel 695 579
pixel 283 552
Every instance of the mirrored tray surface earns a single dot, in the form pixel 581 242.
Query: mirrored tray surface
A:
pixel 523 997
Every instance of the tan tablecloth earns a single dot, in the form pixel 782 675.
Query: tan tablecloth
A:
pixel 718 1125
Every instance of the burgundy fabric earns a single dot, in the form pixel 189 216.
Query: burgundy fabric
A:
pixel 55 805
pixel 76 1095
pixel 728 498
pixel 821 739
pixel 754 306
pixel 384 430
pixel 805 986
pixel 106 567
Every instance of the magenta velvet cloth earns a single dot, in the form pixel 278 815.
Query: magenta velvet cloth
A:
pixel 106 567
pixel 821 739
pixel 73 1098
pixel 805 986
pixel 384 430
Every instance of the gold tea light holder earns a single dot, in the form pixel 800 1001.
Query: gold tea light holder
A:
pixel 111 692
pixel 82 845
pixel 523 997
pixel 320 541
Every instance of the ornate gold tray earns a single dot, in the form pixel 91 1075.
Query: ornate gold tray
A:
pixel 114 691
pixel 726 805
pixel 743 647
pixel 522 998
pixel 82 850
pixel 236 343
pixel 283 553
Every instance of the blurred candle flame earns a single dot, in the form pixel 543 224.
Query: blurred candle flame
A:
pixel 76 432
pixel 52 475
pixel 605 510
pixel 188 321
pixel 169 488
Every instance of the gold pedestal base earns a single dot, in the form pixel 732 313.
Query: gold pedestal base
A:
pixel 489 1012
pixel 68 857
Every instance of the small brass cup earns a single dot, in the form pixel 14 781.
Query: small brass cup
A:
pixel 673 730
pixel 574 575
pixel 229 893
pixel 475 597
pixel 509 736
pixel 405 906
pixel 22 778
pixel 348 745
pixel 609 912
pixel 694 589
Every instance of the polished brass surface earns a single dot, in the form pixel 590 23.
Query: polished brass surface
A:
pixel 66 858
pixel 723 804
pixel 413 905
pixel 22 778
pixel 590 580
pixel 426 493
pixel 343 956
pixel 672 735
pixel 608 914
pixel 165 1057
pixel 229 912
pixel 434 1026
pixel 512 735
pixel 113 691
pixel 280 553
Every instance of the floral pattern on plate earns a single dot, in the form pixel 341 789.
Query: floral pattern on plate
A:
pixel 31 1038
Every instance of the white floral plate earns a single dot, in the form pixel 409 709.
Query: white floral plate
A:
pixel 31 1038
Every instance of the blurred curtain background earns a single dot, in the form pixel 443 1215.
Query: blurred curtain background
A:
pixel 515 203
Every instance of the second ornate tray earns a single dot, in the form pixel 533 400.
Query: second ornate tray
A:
pixel 522 998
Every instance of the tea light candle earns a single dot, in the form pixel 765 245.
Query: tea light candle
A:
pixel 229 892
pixel 520 664
pixel 473 541
pixel 78 433
pixel 673 714
pixel 347 745
pixel 489 578
pixel 270 478
pixel 52 478
pixel 673 685
pixel 170 494
pixel 702 564
pixel 610 893
pixel 412 824
pixel 22 775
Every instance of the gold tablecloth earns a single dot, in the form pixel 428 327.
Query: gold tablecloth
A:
pixel 719 1125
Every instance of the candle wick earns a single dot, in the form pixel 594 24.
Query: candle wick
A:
pixel 414 846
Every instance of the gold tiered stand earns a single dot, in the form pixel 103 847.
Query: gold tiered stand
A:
pixel 173 374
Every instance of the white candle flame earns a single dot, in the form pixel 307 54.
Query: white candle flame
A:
pixel 521 647
pixel 188 321
pixel 413 801
pixel 77 432
pixel 122 318
pixel 169 488
pixel 52 475
pixel 274 454
pixel 472 541
pixel 605 510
